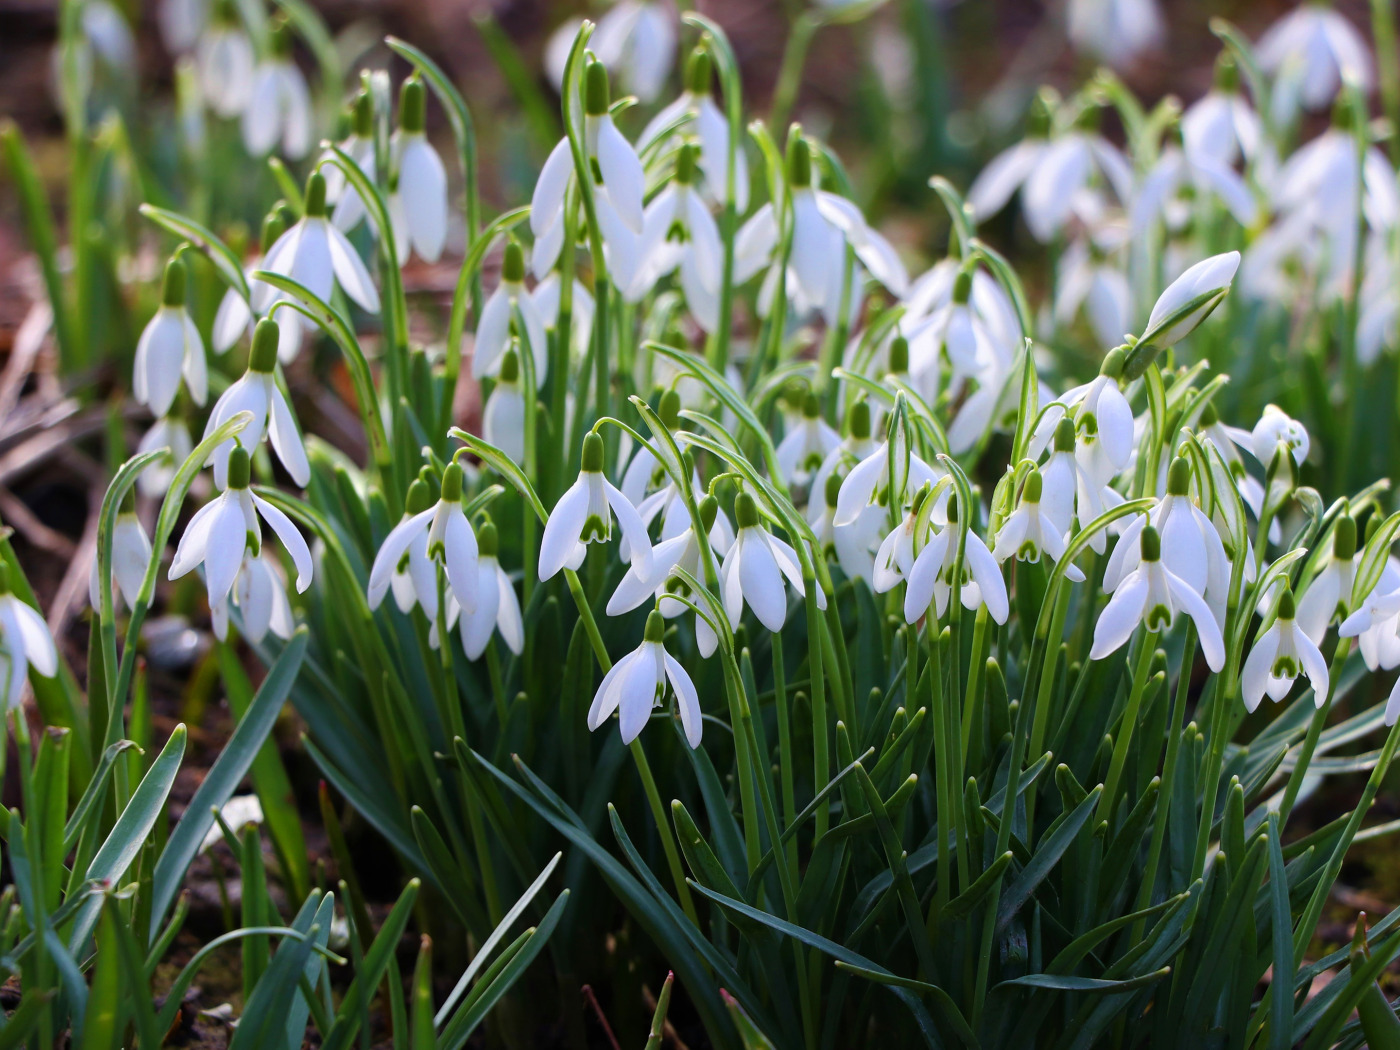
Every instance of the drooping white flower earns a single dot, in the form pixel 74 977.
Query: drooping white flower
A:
pixel 227 526
pixel 1090 280
pixel 1068 490
pixel 170 347
pixel 131 553
pixel 503 415
pixel 1178 180
pixel 929 573
pixel 754 568
pixel 620 181
pixel 261 596
pixel 1375 624
pixel 181 22
pixel 953 335
pixel 884 477
pixel 349 208
pixel 316 254
pixel 547 295
pixel 420 190
pixel 853 545
pixel 696 106
pixel 636 684
pixel 278 109
pixel 1328 596
pixel 257 392
pixel 1153 595
pixel 807 444
pixel 1227 440
pixel 636 39
pixel 1028 532
pixel 413 579
pixel 235 313
pixel 1311 52
pixel 854 447
pixel 1279 655
pixel 1114 31
pixel 584 515
pixel 1008 171
pixel 497 608
pixel 678 233
pixel 442 535
pixel 493 331
pixel 1071 162
pixel 25 642
pixel 238 812
pixel 225 62
pixel 1190 299
pixel 1221 126
pixel 167 433
pixel 1277 432
pixel 1103 420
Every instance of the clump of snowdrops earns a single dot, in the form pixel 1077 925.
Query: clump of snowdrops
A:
pixel 896 683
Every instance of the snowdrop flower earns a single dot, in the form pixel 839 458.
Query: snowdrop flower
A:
pixel 503 416
pixel 225 62
pixel 1226 439
pixel 170 347
pixel 238 812
pixel 696 105
pixel 1277 433
pixel 413 578
pixel 420 193
pixel 807 443
pixel 852 545
pixel 678 233
pixel 1008 171
pixel 181 22
pixel 584 515
pixel 359 147
pixel 929 576
pixel 953 332
pixel 25 642
pixel 279 105
pixel 1221 126
pixel 1068 490
pixel 1153 595
pixel 1328 596
pixel 1311 51
pixel 1376 623
pixel 886 475
pixel 1190 299
pixel 235 314
pixel 619 175
pixel 131 553
pixel 637 40
pixel 316 254
pixel 1103 422
pixel 1088 280
pixel 637 683
pixel 227 526
pixel 261 596
pixel 497 608
pixel 546 296
pixel 1378 321
pixel 1178 179
pixel 442 533
pixel 1028 532
pixel 1191 548
pixel 854 447
pixel 753 570
pixel 167 433
pixel 1054 187
pixel 257 392
pixel 1279 655
pixel 1114 31
pixel 493 331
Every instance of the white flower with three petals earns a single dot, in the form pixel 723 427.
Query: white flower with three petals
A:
pixel 1028 531
pixel 1279 656
pixel 753 570
pixel 261 596
pixel 584 515
pixel 25 642
pixel 636 684
pixel 443 534
pixel 278 108
pixel 131 554
pixel 493 330
pixel 170 347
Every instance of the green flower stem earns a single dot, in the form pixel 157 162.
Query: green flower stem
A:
pixel 1319 719
pixel 817 640
pixel 780 705
pixel 498 686
pixel 942 765
pixel 804 27
pixel 1388 66
pixel 975 669
pixel 663 824
pixel 1108 800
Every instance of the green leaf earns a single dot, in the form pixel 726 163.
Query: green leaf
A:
pixel 229 768
pixel 1045 859
pixel 206 240
pixel 1061 983
pixel 367 978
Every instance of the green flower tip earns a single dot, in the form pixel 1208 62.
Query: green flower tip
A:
pixel 669 408
pixel 687 160
pixel 920 497
pixel 487 539
pixel 595 88
pixel 860 420
pixel 226 13
pixel 1287 609
pixel 279 38
pixel 1113 363
pixel 364 115
pixel 451 491
pixel 273 227
pixel 833 488
pixel 592 460
pixel 510 367
pixel 1088 119
pixel 1151 544
pixel 4 577
pixel 128 503
pixel 420 496
pixel 172 285
pixel 513 264
pixel 1344 538
pixel 1227 74
pixel 656 626
pixel 1041 116
pixel 962 287
pixel 1033 488
pixel 413 106
pixel 811 405
pixel 316 196
pixel 899 355
pixel 745 511
pixel 239 468
pixel 1064 434
pixel 697 72
pixel 1179 477
pixel 952 508
pixel 709 511
pixel 263 356
pixel 799 162
pixel 1209 416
